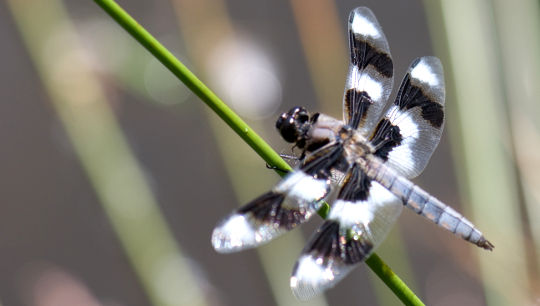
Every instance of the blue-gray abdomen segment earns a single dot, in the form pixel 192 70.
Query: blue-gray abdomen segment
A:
pixel 426 205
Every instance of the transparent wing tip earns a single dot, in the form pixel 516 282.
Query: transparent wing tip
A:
pixel 303 291
pixel 363 11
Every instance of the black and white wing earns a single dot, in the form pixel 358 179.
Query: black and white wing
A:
pixel 290 203
pixel 360 219
pixel 370 78
pixel 411 129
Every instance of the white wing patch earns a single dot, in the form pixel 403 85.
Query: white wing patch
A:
pixel 423 72
pixel 402 158
pixel 314 271
pixel 373 87
pixel 299 185
pixel 408 126
pixel 239 233
pixel 376 215
pixel 312 276
pixel 349 214
pixel 363 26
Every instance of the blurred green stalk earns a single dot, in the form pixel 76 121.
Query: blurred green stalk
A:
pixel 104 153
pixel 237 124
pixel 520 61
pixel 479 134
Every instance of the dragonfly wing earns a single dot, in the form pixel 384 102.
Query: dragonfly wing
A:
pixel 410 131
pixel 290 203
pixel 360 219
pixel 370 78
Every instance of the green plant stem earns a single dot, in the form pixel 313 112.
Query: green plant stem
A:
pixel 193 83
pixel 400 289
pixel 264 150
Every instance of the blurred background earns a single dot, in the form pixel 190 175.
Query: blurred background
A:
pixel 113 175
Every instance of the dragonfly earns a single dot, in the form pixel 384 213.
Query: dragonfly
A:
pixel 362 165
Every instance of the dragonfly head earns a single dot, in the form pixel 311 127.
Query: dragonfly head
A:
pixel 294 125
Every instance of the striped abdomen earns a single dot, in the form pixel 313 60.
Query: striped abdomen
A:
pixel 424 204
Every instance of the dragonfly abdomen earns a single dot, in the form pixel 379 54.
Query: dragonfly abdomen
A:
pixel 426 205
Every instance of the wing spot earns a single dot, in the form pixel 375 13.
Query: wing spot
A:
pixel 357 103
pixel 356 185
pixel 410 96
pixel 329 246
pixel 363 54
pixel 385 138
